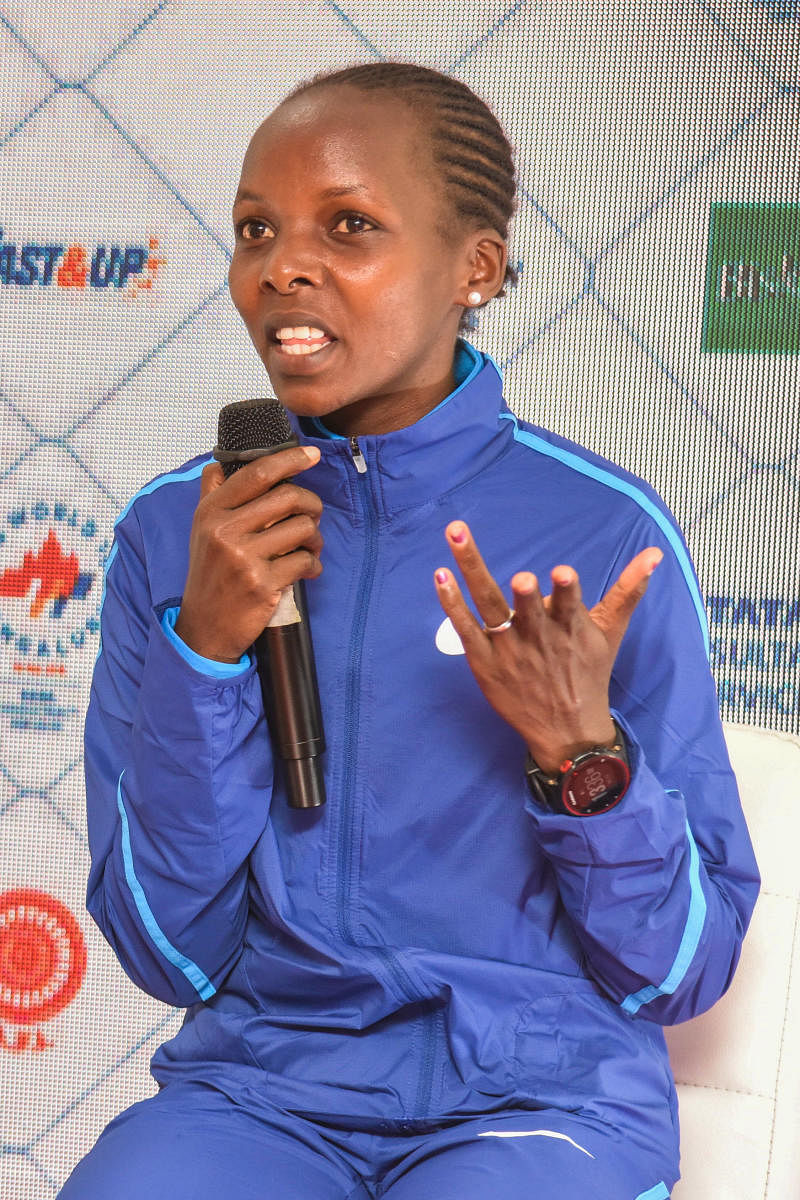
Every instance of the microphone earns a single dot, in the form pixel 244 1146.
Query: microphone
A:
pixel 249 429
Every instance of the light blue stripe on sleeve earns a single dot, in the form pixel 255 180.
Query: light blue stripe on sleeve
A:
pixel 659 1192
pixel 689 942
pixel 208 666
pixel 576 463
pixel 199 981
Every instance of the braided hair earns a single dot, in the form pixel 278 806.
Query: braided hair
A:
pixel 470 150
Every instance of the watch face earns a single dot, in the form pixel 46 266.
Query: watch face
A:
pixel 595 784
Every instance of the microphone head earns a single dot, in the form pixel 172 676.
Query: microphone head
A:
pixel 253 425
pixel 249 429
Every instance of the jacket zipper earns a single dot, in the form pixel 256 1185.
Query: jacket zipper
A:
pixel 358 457
pixel 346 843
pixel 346 848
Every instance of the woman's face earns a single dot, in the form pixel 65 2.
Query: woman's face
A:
pixel 348 287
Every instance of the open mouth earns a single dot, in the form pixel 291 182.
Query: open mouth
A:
pixel 301 339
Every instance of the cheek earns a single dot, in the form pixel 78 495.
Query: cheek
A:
pixel 238 285
pixel 393 308
pixel 234 288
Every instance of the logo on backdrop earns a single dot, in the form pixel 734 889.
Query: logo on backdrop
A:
pixel 51 564
pixel 752 300
pixel 76 266
pixel 755 654
pixel 42 965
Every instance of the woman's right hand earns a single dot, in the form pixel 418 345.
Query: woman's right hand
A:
pixel 253 535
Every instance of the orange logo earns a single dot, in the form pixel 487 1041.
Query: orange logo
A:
pixel 42 963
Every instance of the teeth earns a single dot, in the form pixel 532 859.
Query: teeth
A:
pixel 304 332
pixel 297 348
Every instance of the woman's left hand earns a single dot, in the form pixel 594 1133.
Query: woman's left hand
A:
pixel 548 673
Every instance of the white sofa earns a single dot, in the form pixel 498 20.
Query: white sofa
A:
pixel 738 1066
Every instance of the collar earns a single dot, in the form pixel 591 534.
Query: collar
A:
pixel 413 466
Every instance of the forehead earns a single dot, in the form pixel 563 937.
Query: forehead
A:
pixel 370 137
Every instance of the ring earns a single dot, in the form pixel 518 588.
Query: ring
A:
pixel 509 621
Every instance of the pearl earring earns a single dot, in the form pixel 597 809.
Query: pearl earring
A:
pixel 474 298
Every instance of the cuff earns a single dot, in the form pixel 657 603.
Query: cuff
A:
pixel 207 666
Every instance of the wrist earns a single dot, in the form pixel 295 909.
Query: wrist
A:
pixel 552 755
pixel 201 645
pixel 214 667
pixel 590 783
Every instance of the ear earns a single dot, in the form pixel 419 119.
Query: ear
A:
pixel 485 267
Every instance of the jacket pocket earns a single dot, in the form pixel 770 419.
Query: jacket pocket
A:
pixel 586 1047
pixel 538 1052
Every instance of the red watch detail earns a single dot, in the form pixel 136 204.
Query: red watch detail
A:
pixel 594 783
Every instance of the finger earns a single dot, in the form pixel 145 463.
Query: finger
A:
pixel 211 478
pixel 283 501
pixel 565 597
pixel 615 610
pixel 300 564
pixel 258 476
pixel 473 639
pixel 295 533
pixel 485 592
pixel 529 612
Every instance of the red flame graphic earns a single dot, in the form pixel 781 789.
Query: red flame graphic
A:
pixel 57 574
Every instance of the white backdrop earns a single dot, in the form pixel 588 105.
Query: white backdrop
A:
pixel 122 126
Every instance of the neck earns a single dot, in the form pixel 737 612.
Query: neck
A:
pixel 395 410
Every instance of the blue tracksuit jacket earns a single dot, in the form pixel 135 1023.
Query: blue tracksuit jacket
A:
pixel 428 943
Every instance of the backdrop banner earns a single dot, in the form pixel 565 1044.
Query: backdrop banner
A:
pixel 656 320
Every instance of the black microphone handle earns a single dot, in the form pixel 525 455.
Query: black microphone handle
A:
pixel 291 701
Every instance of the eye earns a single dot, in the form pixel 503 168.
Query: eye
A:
pixel 251 229
pixel 353 223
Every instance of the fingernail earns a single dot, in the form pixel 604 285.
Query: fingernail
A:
pixel 458 535
pixel 311 452
pixel 441 576
pixel 655 564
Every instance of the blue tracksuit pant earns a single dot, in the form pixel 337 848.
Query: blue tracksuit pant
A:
pixel 191 1142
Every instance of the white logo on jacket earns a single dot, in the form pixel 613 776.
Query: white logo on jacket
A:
pixel 447 640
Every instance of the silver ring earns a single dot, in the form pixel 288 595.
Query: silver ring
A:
pixel 509 621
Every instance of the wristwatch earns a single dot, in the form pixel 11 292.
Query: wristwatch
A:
pixel 585 786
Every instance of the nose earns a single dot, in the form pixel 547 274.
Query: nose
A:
pixel 290 262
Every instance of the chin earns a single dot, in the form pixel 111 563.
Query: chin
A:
pixel 305 401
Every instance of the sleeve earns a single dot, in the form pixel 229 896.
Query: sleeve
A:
pixel 661 888
pixel 178 784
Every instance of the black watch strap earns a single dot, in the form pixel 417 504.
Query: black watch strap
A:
pixel 592 783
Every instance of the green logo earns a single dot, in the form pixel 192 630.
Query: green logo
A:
pixel 752 298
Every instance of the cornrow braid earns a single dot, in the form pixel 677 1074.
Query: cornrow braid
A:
pixel 470 149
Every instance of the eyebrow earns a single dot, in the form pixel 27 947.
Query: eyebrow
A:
pixel 244 194
pixel 348 189
pixel 331 193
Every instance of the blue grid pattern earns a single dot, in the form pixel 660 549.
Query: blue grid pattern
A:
pixel 777 87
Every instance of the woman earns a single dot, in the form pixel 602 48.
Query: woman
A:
pixel 450 981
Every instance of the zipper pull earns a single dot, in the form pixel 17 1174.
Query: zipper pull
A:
pixel 358 457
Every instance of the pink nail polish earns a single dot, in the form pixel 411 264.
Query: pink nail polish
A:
pixel 441 576
pixel 459 536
